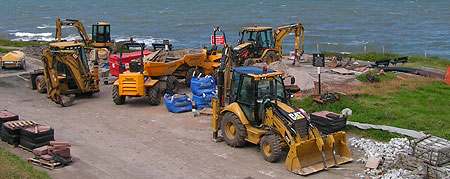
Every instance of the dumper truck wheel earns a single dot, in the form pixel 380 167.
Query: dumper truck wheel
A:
pixel 189 74
pixel 270 148
pixel 233 131
pixel 154 95
pixel 116 97
pixel 24 65
pixel 270 57
pixel 171 85
pixel 40 84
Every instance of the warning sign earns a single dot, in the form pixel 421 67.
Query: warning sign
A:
pixel 219 38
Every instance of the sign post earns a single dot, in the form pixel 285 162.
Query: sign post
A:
pixel 219 40
pixel 319 61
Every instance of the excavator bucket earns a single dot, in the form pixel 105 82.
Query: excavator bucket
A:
pixel 316 154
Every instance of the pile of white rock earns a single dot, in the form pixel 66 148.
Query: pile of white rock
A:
pixel 387 151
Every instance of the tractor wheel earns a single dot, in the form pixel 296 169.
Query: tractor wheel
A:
pixel 233 131
pixel 171 85
pixel 116 97
pixel 270 148
pixel 270 57
pixel 189 74
pixel 40 84
pixel 154 95
pixel 249 62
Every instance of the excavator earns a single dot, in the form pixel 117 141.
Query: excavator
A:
pixel 101 37
pixel 262 44
pixel 65 73
pixel 252 106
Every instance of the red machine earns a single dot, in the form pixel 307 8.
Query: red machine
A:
pixel 126 58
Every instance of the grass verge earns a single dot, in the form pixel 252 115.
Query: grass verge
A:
pixel 19 43
pixel 413 61
pixel 11 166
pixel 4 50
pixel 421 106
pixel 387 77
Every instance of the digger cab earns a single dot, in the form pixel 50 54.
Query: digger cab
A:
pixel 260 37
pixel 101 36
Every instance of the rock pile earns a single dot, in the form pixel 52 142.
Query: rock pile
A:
pixel 302 79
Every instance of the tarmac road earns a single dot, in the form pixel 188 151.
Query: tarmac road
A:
pixel 137 140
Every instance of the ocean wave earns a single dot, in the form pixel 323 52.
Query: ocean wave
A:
pixel 46 26
pixel 359 42
pixel 28 34
pixel 331 43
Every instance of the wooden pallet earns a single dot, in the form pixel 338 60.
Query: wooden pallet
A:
pixel 24 148
pixel 20 124
pixel 44 164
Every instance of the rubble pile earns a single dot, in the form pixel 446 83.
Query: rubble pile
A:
pixel 302 79
pixel 34 51
pixel 387 151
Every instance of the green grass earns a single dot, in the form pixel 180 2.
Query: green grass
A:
pixel 4 50
pixel 387 77
pixel 11 166
pixel 413 61
pixel 425 108
pixel 19 43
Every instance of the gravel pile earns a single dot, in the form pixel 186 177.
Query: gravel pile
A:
pixel 302 79
pixel 34 51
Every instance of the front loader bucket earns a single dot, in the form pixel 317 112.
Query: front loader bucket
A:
pixel 305 157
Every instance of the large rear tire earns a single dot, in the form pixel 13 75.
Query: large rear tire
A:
pixel 171 85
pixel 270 148
pixel 189 75
pixel 40 84
pixel 116 97
pixel 270 57
pixel 233 131
pixel 154 95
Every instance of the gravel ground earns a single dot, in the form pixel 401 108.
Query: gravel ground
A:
pixel 136 140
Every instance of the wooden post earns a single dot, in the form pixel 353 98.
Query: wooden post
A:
pixel 383 49
pixel 364 49
pixel 425 53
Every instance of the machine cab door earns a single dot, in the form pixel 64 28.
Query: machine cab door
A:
pixel 246 91
pixel 100 33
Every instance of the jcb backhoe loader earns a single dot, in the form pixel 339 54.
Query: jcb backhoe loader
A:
pixel 65 73
pixel 135 82
pixel 252 106
pixel 101 37
pixel 261 44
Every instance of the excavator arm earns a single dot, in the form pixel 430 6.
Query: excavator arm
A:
pixel 283 31
pixel 73 23
pixel 71 60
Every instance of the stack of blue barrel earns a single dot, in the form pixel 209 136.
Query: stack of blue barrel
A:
pixel 203 89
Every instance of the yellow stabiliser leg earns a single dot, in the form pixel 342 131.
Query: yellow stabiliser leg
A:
pixel 312 154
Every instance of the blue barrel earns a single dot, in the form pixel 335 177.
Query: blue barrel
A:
pixel 178 103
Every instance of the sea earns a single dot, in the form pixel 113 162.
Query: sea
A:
pixel 411 27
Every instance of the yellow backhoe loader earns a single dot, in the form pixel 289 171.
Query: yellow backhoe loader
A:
pixel 101 37
pixel 65 73
pixel 261 44
pixel 252 106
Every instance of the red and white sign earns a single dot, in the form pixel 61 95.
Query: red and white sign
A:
pixel 219 38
